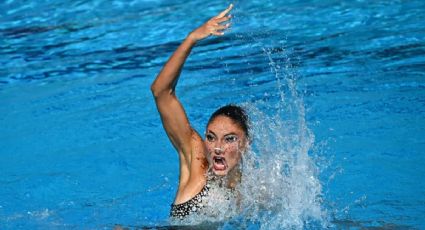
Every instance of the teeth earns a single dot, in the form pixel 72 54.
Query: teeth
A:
pixel 219 160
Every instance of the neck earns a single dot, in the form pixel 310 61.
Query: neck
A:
pixel 234 178
pixel 231 180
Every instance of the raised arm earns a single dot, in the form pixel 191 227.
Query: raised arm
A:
pixel 173 116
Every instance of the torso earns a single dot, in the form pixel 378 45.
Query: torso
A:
pixel 195 204
pixel 215 202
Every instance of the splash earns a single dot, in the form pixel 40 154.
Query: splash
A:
pixel 280 186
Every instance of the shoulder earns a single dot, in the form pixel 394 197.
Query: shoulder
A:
pixel 199 151
pixel 198 154
pixel 193 162
pixel 193 170
pixel 197 143
pixel 193 147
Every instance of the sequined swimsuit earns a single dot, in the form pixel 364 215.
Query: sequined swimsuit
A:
pixel 179 211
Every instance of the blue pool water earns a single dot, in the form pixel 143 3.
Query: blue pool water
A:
pixel 336 90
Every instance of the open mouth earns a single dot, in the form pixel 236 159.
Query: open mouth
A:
pixel 219 163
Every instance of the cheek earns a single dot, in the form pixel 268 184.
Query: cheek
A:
pixel 232 151
pixel 209 146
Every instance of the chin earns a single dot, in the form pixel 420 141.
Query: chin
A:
pixel 220 172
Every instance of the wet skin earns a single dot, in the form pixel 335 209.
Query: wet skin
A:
pixel 225 141
pixel 189 145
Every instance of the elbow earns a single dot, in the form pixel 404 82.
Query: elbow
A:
pixel 155 90
pixel 158 91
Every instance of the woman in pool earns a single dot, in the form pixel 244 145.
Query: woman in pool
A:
pixel 226 136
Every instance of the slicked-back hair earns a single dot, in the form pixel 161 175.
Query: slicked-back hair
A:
pixel 236 113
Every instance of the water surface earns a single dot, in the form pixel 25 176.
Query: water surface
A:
pixel 81 143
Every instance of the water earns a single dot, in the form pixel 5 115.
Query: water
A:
pixel 336 90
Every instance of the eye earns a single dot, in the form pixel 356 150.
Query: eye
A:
pixel 231 138
pixel 210 137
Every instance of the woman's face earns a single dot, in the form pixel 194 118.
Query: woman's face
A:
pixel 225 141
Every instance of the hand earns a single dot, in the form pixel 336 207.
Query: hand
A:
pixel 213 26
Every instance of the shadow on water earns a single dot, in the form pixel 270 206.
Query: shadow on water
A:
pixel 133 57
pixel 335 224
pixel 20 32
pixel 371 225
pixel 207 226
pixel 56 60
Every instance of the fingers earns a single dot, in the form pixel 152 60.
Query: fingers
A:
pixel 217 33
pixel 222 19
pixel 215 26
pixel 224 12
pixel 222 27
pixel 218 29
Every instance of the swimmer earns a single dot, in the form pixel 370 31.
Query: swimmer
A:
pixel 226 136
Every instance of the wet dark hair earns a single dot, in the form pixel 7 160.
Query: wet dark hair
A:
pixel 236 113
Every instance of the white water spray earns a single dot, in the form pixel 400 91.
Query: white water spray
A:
pixel 280 186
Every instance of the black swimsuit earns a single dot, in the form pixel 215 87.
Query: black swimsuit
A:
pixel 182 210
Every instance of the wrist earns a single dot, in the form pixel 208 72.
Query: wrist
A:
pixel 192 38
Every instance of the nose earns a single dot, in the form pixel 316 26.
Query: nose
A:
pixel 218 150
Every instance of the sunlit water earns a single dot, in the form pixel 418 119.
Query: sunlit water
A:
pixel 335 91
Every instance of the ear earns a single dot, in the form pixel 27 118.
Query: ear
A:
pixel 249 142
pixel 246 143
